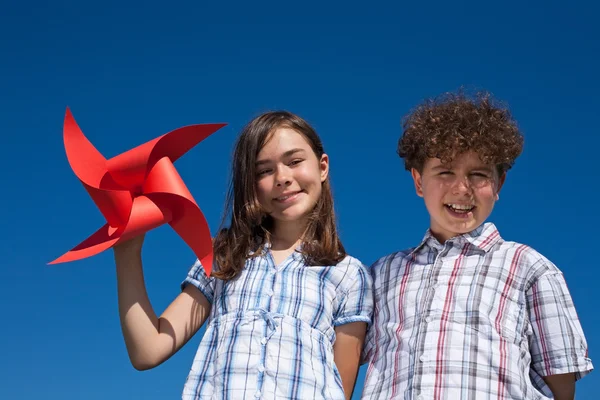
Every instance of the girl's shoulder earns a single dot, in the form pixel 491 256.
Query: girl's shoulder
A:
pixel 353 275
pixel 352 262
pixel 347 262
pixel 352 266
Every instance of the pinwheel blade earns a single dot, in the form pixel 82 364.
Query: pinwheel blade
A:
pixel 99 241
pixel 139 190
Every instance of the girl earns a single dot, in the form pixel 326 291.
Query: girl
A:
pixel 287 308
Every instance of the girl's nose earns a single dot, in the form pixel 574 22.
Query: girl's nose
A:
pixel 282 177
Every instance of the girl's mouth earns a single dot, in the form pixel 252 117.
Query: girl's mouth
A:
pixel 288 197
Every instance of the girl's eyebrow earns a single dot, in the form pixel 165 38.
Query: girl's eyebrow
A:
pixel 284 155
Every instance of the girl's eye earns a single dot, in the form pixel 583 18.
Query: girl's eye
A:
pixel 263 172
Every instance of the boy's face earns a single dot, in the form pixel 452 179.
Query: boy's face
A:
pixel 459 197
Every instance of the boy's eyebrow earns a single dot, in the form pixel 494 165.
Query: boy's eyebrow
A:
pixel 284 155
pixel 484 168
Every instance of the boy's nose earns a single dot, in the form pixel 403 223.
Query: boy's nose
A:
pixel 462 185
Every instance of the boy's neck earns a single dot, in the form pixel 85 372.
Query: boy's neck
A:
pixel 441 236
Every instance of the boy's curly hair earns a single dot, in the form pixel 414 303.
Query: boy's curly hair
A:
pixel 452 124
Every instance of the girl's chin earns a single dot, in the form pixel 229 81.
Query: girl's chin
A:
pixel 289 218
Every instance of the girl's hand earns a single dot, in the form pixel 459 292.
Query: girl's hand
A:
pixel 131 246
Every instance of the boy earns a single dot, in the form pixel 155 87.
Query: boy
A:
pixel 465 314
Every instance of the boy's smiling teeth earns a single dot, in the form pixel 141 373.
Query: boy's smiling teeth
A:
pixel 461 208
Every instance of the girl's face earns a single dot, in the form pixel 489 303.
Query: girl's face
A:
pixel 289 176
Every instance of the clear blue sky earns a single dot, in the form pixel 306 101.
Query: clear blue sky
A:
pixel 133 72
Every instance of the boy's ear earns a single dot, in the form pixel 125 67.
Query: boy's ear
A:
pixel 416 175
pixel 324 167
pixel 501 181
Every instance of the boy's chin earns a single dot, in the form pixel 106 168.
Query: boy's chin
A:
pixel 466 227
pixel 459 227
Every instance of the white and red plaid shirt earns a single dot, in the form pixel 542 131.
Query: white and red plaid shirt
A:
pixel 474 318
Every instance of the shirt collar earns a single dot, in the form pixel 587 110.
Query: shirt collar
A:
pixel 297 253
pixel 484 237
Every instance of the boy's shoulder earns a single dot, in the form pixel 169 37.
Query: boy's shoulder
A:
pixel 534 262
pixel 392 260
pixel 531 263
pixel 394 257
pixel 522 259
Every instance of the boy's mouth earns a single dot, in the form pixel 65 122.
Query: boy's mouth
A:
pixel 460 208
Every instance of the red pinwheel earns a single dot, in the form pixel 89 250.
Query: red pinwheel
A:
pixel 139 190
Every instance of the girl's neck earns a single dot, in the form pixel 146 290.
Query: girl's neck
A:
pixel 287 235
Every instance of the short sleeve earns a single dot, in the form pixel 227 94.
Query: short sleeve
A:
pixel 369 345
pixel 356 304
pixel 557 344
pixel 197 277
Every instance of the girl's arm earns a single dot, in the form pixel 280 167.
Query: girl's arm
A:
pixel 346 352
pixel 150 340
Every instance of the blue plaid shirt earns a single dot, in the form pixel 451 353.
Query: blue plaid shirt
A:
pixel 270 332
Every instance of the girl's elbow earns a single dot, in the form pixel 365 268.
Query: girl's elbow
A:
pixel 142 366
pixel 143 363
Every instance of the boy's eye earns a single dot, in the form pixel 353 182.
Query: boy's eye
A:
pixel 480 175
pixel 446 173
pixel 295 162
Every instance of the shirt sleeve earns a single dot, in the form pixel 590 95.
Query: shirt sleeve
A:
pixel 356 304
pixel 369 345
pixel 197 277
pixel 557 343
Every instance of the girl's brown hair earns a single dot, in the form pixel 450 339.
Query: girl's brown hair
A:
pixel 250 227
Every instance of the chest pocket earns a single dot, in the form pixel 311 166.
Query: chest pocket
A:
pixel 488 300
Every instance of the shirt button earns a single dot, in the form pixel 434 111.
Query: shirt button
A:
pixel 261 368
pixel 423 358
pixel 263 341
pixel 257 394
pixel 269 293
pixel 420 397
pixel 428 319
